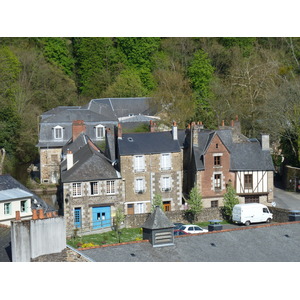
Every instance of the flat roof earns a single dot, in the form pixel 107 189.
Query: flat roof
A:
pixel 278 242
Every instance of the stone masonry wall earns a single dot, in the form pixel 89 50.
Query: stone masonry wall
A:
pixel 50 165
pixel 152 176
pixel 138 220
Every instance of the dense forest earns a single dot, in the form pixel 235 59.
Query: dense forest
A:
pixel 190 79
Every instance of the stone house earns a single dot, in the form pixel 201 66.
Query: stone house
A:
pixel 57 125
pixel 215 158
pixel 92 187
pixel 150 163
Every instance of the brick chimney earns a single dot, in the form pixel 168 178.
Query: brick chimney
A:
pixel 151 126
pixel 69 159
pixel 119 131
pixel 195 132
pixel 78 126
pixel 174 131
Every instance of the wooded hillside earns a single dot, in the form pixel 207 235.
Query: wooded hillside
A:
pixel 191 79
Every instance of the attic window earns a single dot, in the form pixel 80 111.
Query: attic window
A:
pixel 100 132
pixel 130 139
pixel 217 146
pixel 58 132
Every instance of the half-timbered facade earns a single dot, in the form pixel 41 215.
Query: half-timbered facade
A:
pixel 216 158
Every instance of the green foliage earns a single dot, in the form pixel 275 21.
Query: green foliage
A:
pixel 98 62
pixel 195 204
pixel 245 43
pixel 230 200
pixel 57 51
pixel 157 201
pixel 117 221
pixel 128 84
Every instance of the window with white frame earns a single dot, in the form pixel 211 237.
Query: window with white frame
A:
pixel 139 163
pixel 217 181
pixel 100 132
pixel 58 132
pixel 24 205
pixel 94 188
pixel 7 208
pixel 166 183
pixel 110 187
pixel 166 161
pixel 140 208
pixel 139 185
pixel 77 190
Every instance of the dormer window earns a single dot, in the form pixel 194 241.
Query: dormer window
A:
pixel 58 132
pixel 100 132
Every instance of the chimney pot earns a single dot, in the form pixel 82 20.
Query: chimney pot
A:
pixel 223 123
pixel 119 131
pixel 174 131
pixel 232 123
pixel 34 214
pixel 18 217
pixel 69 159
pixel 41 214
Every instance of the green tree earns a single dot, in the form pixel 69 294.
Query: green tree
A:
pixel 200 73
pixel 128 84
pixel 57 50
pixel 117 221
pixel 195 204
pixel 157 201
pixel 230 200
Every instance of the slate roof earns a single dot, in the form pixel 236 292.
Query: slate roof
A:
pixel 7 182
pixel 245 155
pixel 5 244
pixel 157 220
pixel 13 194
pixel 148 143
pixel 275 243
pixel 89 164
pixel 98 111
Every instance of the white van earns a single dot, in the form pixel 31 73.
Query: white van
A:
pixel 251 213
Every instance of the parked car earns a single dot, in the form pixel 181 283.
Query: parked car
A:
pixel 190 228
pixel 180 232
pixel 177 225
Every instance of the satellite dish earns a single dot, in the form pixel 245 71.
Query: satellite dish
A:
pixel 274 204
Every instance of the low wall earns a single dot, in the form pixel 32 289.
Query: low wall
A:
pixel 279 214
pixel 291 178
pixel 138 220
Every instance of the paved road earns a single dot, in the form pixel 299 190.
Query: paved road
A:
pixel 287 200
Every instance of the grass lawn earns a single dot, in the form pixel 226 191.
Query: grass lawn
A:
pixel 110 237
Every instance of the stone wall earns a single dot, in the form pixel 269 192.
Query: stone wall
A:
pixel 279 214
pixel 291 178
pixel 50 165
pixel 67 255
pixel 138 220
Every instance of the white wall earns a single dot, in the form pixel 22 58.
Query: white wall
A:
pixel 260 182
pixel 15 206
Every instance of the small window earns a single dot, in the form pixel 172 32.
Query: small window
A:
pixel 217 146
pixel 100 132
pixel 94 188
pixel 217 181
pixel 24 206
pixel 58 132
pixel 139 163
pixel 110 187
pixel 76 189
pixel 265 210
pixel 217 161
pixel 214 203
pixel 166 161
pixel 139 185
pixel 7 208
pixel 248 181
pixel 140 208
pixel 166 184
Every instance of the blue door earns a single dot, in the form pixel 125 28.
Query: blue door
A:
pixel 77 217
pixel 101 217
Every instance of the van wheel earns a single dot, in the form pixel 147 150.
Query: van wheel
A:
pixel 247 223
pixel 269 220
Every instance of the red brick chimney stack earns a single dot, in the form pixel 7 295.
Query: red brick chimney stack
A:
pixel 78 126
pixel 151 126
pixel 223 123
pixel 119 131
pixel 18 217
pixel 34 214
